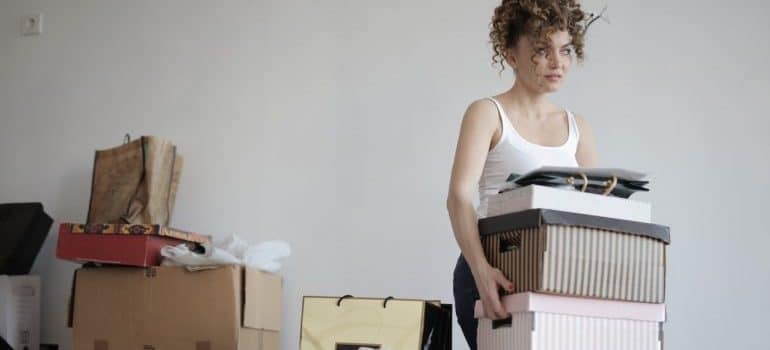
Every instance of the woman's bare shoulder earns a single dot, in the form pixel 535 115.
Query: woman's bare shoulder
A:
pixel 582 122
pixel 481 112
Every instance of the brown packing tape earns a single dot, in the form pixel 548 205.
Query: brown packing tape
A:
pixel 203 345
pixel 101 345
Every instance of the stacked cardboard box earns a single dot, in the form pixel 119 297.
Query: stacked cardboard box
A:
pixel 228 307
pixel 586 278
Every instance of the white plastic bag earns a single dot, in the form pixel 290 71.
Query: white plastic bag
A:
pixel 231 250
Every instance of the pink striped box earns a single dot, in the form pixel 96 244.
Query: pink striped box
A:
pixel 553 322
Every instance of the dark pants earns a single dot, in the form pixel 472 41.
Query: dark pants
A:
pixel 466 294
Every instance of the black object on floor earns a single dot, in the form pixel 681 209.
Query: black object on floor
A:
pixel 4 345
pixel 23 229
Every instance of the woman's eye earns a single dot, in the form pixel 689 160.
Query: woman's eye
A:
pixel 566 51
pixel 540 51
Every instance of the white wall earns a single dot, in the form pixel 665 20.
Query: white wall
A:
pixel 332 125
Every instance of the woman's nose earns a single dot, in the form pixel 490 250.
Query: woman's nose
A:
pixel 554 60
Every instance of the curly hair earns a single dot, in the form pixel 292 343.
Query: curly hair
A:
pixel 537 19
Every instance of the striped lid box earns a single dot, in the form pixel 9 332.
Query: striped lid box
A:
pixel 551 322
pixel 557 252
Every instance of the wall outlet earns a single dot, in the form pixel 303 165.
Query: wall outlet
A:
pixel 32 24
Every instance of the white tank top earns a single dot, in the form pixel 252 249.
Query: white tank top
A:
pixel 514 154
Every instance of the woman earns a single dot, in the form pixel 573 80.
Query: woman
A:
pixel 514 132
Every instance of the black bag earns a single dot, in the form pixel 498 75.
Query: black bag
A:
pixel 4 345
pixel 614 182
pixel 23 229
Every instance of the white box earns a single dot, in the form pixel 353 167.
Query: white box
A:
pixel 542 197
pixel 551 322
pixel 20 311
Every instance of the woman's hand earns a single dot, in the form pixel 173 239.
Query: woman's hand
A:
pixel 488 281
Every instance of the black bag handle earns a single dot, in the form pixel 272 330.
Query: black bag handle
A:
pixel 339 301
pixel 347 296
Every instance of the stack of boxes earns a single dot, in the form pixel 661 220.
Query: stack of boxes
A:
pixel 131 302
pixel 122 298
pixel 589 271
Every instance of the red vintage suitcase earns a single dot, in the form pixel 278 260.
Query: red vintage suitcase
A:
pixel 121 244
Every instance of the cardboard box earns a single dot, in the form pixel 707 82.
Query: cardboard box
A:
pixel 160 308
pixel 542 197
pixel 557 252
pixel 550 322
pixel 23 229
pixel 132 245
pixel 20 311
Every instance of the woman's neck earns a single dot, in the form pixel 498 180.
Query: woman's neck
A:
pixel 527 103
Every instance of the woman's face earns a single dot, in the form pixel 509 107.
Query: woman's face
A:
pixel 542 67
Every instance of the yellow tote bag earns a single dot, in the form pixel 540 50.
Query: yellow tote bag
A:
pixel 348 323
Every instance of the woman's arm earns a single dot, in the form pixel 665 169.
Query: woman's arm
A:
pixel 480 124
pixel 586 151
